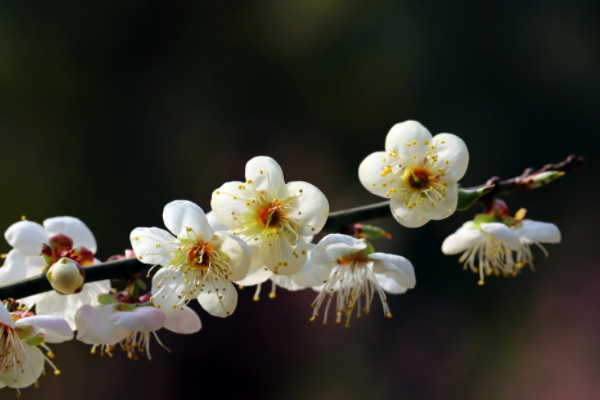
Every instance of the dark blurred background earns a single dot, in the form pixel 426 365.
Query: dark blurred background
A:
pixel 111 109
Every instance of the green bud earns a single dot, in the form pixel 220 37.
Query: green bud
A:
pixel 466 198
pixel 543 178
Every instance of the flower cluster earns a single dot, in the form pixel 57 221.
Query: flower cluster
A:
pixel 258 229
pixel 499 247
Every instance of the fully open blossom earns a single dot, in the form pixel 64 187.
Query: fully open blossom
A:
pixel 270 215
pixel 23 336
pixel 196 263
pixel 131 326
pixel 37 247
pixel 356 275
pixel 497 247
pixel 417 172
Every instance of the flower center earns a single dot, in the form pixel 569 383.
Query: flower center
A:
pixel 356 259
pixel 417 177
pixel 199 256
pixel 271 215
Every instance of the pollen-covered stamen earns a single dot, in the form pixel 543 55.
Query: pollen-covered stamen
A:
pixel 420 182
pixel 194 262
pixel 351 279
pixel 490 256
pixel 8 342
pixel 138 343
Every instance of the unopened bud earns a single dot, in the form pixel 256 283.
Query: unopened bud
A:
pixel 66 276
pixel 543 178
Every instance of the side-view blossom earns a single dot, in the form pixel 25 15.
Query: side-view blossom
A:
pixel 23 336
pixel 417 172
pixel 36 248
pixel 356 274
pixel 196 261
pixel 270 215
pixel 131 325
pixel 487 246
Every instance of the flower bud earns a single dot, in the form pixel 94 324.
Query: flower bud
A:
pixel 66 276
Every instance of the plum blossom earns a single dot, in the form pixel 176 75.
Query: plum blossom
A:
pixel 130 325
pixel 417 172
pixel 357 273
pixel 23 336
pixel 196 261
pixel 37 247
pixel 500 248
pixel 270 215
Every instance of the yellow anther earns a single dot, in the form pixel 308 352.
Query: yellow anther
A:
pixel 261 171
pixel 250 181
pixel 22 218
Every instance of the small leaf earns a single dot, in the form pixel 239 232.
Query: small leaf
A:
pixel 543 178
pixel 106 298
pixel 466 198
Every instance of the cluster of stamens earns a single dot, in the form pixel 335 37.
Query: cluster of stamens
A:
pixel 418 180
pixel 267 218
pixel 201 263
pixel 353 284
pixel 491 256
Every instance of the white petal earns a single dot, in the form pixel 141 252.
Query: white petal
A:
pixel 5 318
pixel 266 174
pixel 255 276
pixel 187 220
pixel 229 202
pixel 237 253
pixel 414 218
pixel 214 223
pixel 18 266
pixel 27 237
pixel 536 231
pixel 447 207
pixel 405 133
pixel 335 245
pixel 94 326
pixel 501 232
pixel 461 240
pixel 142 319
pixel 52 303
pixel 399 273
pixel 185 322
pixel 74 228
pixel 311 274
pixel 219 300
pixel 282 255
pixel 451 148
pixel 172 286
pixel 287 282
pixel 369 173
pixel 311 207
pixel 30 369
pixel 153 245
pixel 55 329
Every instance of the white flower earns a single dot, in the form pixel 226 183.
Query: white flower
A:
pixel 21 337
pixel 488 247
pixel 130 325
pixel 417 173
pixel 356 275
pixel 272 215
pixel 197 262
pixel 37 247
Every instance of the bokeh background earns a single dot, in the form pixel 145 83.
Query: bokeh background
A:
pixel 111 109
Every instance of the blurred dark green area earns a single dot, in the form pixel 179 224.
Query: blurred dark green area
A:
pixel 111 109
